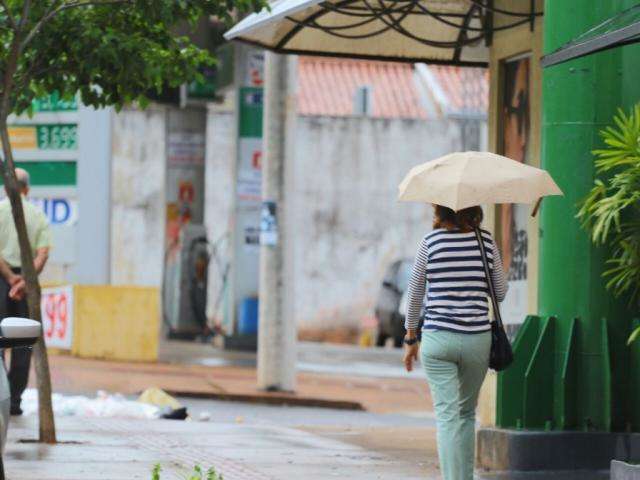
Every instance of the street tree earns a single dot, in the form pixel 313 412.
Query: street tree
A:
pixel 106 52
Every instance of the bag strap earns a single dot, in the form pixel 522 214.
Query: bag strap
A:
pixel 487 272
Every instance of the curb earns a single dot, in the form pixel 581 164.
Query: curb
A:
pixel 270 399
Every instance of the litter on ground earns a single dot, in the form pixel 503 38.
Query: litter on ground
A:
pixel 104 405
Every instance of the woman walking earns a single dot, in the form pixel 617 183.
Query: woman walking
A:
pixel 456 337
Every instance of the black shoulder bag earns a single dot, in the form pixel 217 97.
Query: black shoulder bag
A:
pixel 501 354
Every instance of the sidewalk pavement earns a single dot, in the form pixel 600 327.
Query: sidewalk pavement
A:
pixel 395 440
pixel 116 449
pixel 380 395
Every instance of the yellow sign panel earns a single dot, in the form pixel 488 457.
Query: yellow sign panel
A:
pixel 23 138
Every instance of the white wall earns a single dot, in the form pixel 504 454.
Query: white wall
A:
pixel 346 225
pixel 138 196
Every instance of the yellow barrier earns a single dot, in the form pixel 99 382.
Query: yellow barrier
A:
pixel 116 322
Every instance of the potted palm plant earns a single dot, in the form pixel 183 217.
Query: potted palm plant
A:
pixel 611 213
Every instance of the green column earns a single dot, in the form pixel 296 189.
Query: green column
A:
pixel 574 370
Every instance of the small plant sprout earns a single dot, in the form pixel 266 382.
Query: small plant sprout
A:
pixel 197 474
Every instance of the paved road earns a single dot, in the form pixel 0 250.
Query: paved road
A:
pixel 301 417
pixel 312 357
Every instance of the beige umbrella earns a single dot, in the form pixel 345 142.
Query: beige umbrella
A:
pixel 464 179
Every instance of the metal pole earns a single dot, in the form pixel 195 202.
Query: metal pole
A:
pixel 276 332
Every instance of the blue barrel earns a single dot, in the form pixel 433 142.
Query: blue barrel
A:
pixel 248 317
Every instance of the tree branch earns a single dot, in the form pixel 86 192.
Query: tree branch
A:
pixel 25 15
pixel 65 6
pixel 11 66
pixel 12 20
pixel 21 80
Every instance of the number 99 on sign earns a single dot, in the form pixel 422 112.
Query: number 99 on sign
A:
pixel 57 316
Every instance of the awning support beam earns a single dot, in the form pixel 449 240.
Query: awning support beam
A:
pixel 589 43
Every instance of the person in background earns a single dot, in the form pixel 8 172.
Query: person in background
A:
pixel 12 286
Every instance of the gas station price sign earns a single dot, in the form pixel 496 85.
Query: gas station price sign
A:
pixel 57 137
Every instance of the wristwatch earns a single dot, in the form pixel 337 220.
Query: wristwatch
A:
pixel 411 341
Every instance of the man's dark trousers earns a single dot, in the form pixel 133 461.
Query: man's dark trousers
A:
pixel 20 357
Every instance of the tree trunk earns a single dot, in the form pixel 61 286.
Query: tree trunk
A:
pixel 47 431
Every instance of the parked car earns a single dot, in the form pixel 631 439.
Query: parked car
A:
pixel 14 332
pixel 391 305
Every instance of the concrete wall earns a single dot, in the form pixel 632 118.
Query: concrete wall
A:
pixel 138 197
pixel 94 180
pixel 346 225
pixel 219 198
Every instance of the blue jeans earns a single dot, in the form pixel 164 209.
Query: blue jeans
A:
pixel 455 364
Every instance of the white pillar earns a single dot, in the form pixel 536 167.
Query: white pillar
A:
pixel 277 330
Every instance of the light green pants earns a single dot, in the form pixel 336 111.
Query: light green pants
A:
pixel 456 364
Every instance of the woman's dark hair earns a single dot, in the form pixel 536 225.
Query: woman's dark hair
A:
pixel 466 219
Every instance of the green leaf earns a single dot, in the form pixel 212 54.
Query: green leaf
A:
pixel 111 54
pixel 634 336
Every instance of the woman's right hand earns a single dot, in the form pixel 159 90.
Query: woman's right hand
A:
pixel 410 355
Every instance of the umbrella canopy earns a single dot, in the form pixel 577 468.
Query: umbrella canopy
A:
pixel 454 32
pixel 464 179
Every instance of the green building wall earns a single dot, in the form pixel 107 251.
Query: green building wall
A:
pixel 573 369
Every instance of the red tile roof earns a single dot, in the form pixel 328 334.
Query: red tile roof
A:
pixel 466 89
pixel 327 87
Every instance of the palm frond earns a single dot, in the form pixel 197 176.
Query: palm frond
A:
pixel 610 209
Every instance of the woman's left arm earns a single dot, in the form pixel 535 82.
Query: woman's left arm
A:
pixel 500 284
pixel 417 286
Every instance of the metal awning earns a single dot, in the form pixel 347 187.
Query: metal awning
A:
pixel 452 32
pixel 619 30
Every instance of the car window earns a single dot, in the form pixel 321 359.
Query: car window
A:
pixel 404 274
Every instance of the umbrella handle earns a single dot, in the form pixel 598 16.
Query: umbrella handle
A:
pixel 537 207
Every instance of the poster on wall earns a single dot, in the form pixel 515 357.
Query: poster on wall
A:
pixel 185 149
pixel 249 187
pixel 513 219
pixel 269 224
pixel 255 69
pixel 185 183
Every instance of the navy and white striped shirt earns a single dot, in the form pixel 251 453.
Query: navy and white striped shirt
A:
pixel 449 266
